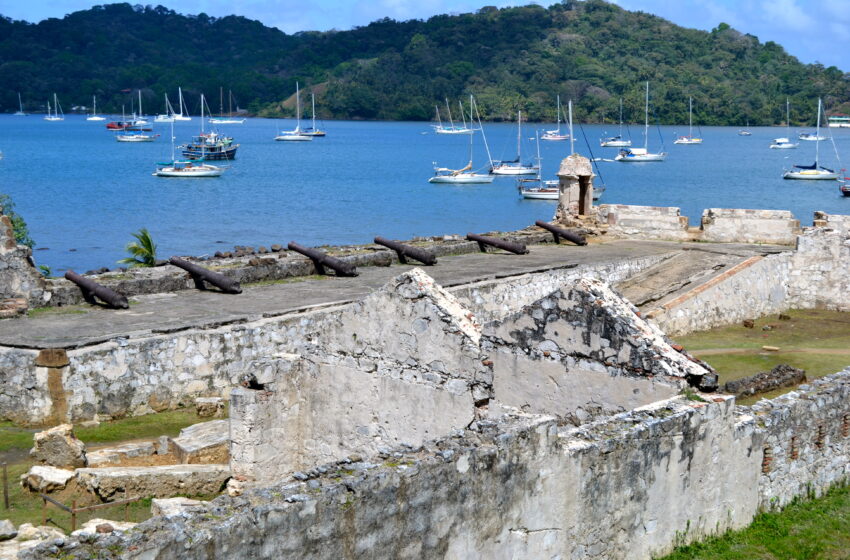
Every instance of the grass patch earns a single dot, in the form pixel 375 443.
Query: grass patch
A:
pixel 290 280
pixel 813 529
pixel 71 310
pixel 168 423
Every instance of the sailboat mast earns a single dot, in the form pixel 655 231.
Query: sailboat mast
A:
pixel 558 112
pixel 788 117
pixel 202 119
pixel 449 109
pixel 646 120
pixel 439 120
pixel 621 118
pixel 690 117
pixel 313 104
pixel 297 107
pixel 481 128
pixel 230 103
pixel 817 138
pixel 140 104
pixel 572 138
pixel 462 114
pixel 20 103
pixel 518 135
pixel 221 101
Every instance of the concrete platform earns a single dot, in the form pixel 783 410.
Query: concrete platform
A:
pixel 80 326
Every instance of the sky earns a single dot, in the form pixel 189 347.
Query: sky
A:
pixel 812 30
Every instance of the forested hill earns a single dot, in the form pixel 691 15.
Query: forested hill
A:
pixel 511 58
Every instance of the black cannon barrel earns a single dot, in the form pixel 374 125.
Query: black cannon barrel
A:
pixel 91 288
pixel 558 232
pixel 321 260
pixel 510 246
pixel 201 275
pixel 402 250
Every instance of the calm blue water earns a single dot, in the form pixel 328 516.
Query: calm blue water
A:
pixel 83 194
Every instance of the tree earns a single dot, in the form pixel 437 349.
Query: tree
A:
pixel 142 251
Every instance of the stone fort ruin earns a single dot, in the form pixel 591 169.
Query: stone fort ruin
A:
pixel 491 406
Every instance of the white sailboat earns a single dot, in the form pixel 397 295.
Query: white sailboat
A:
pixel 515 167
pixel 785 143
pixel 809 137
pixel 689 139
pixel 746 130
pixel 815 171
pixel 616 141
pixel 452 128
pixel 183 115
pixel 188 168
pixel 555 135
pixel 57 114
pixel 313 131
pixel 94 116
pixel 168 116
pixel 140 118
pixel 465 175
pixel 295 135
pixel 20 112
pixel 536 188
pixel 229 119
pixel 641 154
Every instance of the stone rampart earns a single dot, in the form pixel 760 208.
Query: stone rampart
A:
pixel 735 225
pixel 645 222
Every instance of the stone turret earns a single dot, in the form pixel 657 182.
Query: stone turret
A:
pixel 21 284
pixel 576 189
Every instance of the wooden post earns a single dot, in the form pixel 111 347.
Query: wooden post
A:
pixel 43 512
pixel 73 515
pixel 126 512
pixel 5 486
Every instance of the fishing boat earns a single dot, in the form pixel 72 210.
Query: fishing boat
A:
pixel 209 145
pixel 616 141
pixel 555 135
pixel 515 167
pixel 185 169
pixel 689 139
pixel 94 116
pixel 814 171
pixel 168 116
pixel 312 130
pixel 295 135
pixel 20 112
pixel 784 143
pixel 452 128
pixel 229 119
pixel 628 155
pixel 465 175
pixel 57 114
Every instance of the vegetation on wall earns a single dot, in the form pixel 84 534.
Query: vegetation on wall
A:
pixel 511 58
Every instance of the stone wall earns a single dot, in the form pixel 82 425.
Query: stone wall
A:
pixel 19 278
pixel 631 486
pixel 725 225
pixel 645 222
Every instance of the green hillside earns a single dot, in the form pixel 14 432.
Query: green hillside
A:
pixel 512 58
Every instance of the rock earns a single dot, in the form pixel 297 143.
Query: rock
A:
pixel 28 532
pixel 117 454
pixel 235 488
pixel 205 443
pixel 209 407
pixel 102 526
pixel 59 447
pixel 7 530
pixel 89 423
pixel 262 250
pixel 176 506
pixel 117 483
pixel 781 376
pixel 46 479
pixel 163 445
pixel 749 323
pixel 277 248
pixel 784 317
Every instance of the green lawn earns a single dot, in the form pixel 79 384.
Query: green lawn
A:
pixel 805 530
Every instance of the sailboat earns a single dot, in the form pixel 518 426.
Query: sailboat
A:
pixel 312 130
pixel 57 114
pixel 616 141
pixel 295 135
pixel 139 119
pixel 536 188
pixel 452 128
pixel 745 131
pixel 94 116
pixel 814 171
pixel 229 118
pixel 689 139
pixel 168 116
pixel 183 115
pixel 465 175
pixel 785 143
pixel 187 168
pixel 514 167
pixel 20 111
pixel 641 154
pixel 555 135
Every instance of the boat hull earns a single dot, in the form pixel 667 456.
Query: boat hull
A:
pixel 640 158
pixel 184 174
pixel 810 175
pixel 462 179
pixel 293 138
pixel 514 171
pixel 688 141
pixel 227 121
pixel 215 154
pixel 616 143
pixel 540 194
pixel 453 131
pixel 134 138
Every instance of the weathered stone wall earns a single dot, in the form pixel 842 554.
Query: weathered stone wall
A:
pixel 18 276
pixel 626 487
pixel 820 270
pixel 645 222
pixel 735 225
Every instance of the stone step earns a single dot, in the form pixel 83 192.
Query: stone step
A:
pixel 117 483
pixel 204 443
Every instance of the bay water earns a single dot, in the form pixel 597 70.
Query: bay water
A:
pixel 83 194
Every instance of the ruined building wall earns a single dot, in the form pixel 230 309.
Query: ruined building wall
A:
pixel 18 276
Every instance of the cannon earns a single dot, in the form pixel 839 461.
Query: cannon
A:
pixel 558 232
pixel 403 251
pixel 201 275
pixel 510 246
pixel 321 260
pixel 92 289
